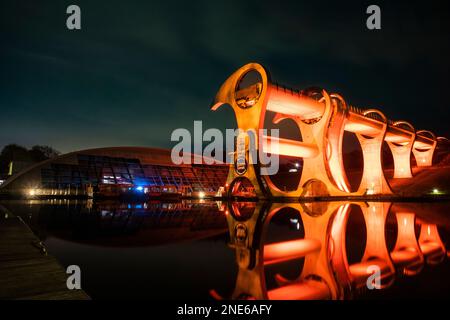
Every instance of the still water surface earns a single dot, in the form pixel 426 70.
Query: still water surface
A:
pixel 210 250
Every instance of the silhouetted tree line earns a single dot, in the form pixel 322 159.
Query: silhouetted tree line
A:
pixel 17 153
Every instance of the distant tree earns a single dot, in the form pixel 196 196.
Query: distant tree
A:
pixel 41 153
pixel 17 153
pixel 13 152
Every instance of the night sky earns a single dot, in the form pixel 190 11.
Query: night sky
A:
pixel 140 69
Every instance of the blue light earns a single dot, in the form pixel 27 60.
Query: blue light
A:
pixel 140 189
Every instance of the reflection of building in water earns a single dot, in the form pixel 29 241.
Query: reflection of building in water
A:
pixel 320 250
pixel 115 170
pixel 121 224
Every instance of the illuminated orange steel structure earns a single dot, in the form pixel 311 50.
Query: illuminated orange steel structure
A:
pixel 322 119
pixel 401 152
pixel 424 154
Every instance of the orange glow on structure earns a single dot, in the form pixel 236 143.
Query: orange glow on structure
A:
pixel 407 254
pixel 324 270
pixel 401 152
pixel 286 147
pixel 288 250
pixel 322 119
pixel 424 156
pixel 285 101
pixel 431 244
pixel 373 180
pixel 305 290
pixel 375 252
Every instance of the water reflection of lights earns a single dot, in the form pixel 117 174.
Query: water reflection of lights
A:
pixel 321 253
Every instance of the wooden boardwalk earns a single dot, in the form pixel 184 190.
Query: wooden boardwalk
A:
pixel 26 271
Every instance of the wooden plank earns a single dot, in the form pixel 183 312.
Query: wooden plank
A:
pixel 26 273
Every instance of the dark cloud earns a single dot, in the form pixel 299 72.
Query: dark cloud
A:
pixel 139 69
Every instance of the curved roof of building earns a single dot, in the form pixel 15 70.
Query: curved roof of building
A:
pixel 155 156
